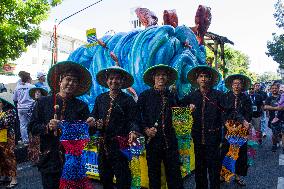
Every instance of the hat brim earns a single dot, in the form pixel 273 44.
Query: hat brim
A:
pixel 148 75
pixel 33 90
pixel 102 75
pixel 7 105
pixel 192 75
pixel 54 73
pixel 244 79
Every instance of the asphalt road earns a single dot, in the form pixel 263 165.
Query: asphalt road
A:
pixel 267 171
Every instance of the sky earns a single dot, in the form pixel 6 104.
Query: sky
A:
pixel 248 23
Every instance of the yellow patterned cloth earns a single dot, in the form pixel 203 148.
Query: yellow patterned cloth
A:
pixel 3 135
pixel 236 135
pixel 182 122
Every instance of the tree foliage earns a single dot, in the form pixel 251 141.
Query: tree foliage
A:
pixel 19 25
pixel 236 62
pixel 276 49
pixel 276 46
pixel 279 13
pixel 267 76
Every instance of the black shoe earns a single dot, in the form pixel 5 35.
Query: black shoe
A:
pixel 274 148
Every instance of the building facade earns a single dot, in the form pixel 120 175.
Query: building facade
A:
pixel 39 55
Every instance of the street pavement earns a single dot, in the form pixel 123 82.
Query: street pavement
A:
pixel 267 171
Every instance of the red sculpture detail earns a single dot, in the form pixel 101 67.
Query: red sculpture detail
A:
pixel 146 17
pixel 202 21
pixel 170 18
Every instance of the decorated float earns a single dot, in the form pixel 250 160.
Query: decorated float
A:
pixel 178 46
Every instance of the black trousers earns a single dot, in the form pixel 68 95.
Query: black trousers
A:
pixel 50 180
pixel 114 164
pixel 207 159
pixel 170 158
pixel 241 163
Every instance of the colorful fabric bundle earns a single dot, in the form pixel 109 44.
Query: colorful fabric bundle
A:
pixel 135 149
pixel 74 138
pixel 182 122
pixel 236 136
pixel 253 145
pixel 132 152
pixel 91 153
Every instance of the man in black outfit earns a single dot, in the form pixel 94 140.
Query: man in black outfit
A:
pixel 67 80
pixel 207 125
pixel 114 115
pixel 156 121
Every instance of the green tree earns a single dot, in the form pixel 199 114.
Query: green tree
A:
pixel 276 46
pixel 267 76
pixel 276 49
pixel 279 13
pixel 19 25
pixel 236 62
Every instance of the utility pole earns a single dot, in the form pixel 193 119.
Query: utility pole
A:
pixel 55 37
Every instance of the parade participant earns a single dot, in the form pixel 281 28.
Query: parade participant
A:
pixel 207 125
pixel 257 108
pixel 271 105
pixel 114 116
pixel 41 81
pixel 8 165
pixel 238 108
pixel 263 94
pixel 33 148
pixel 156 121
pixel 24 102
pixel 67 80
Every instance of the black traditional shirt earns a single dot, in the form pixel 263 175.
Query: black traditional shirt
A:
pixel 71 110
pixel 207 117
pixel 151 114
pixel 122 117
pixel 44 111
pixel 238 108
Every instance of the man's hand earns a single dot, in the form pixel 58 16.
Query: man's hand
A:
pixel 132 137
pixel 192 107
pixel 91 121
pixel 151 132
pixel 99 124
pixel 52 125
pixel 246 124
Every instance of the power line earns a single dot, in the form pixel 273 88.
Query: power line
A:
pixel 79 11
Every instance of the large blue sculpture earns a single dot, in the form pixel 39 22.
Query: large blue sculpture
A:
pixel 140 49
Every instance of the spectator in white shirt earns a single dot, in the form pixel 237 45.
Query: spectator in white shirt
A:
pixel 24 102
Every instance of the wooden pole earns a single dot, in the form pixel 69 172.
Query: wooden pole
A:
pixel 223 59
pixel 216 54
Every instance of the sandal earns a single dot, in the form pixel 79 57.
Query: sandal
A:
pixel 12 185
pixel 240 182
